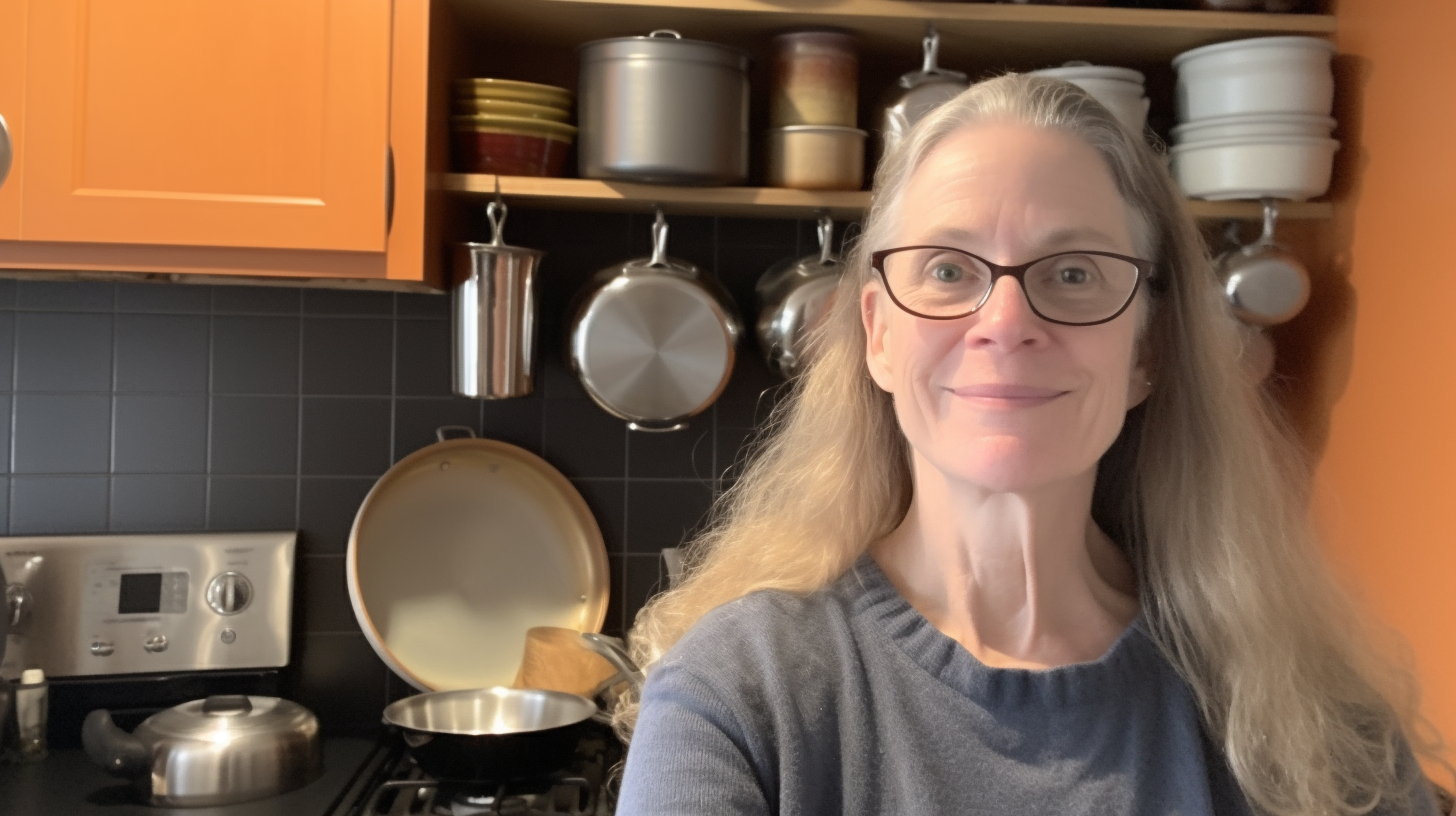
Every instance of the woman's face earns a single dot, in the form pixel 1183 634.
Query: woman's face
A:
pixel 1001 398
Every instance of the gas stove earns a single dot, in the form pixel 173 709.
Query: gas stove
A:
pixel 391 784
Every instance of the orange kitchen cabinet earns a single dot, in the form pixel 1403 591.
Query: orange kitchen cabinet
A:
pixel 177 122
pixel 12 104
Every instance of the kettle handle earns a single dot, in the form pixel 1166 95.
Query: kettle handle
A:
pixel 120 753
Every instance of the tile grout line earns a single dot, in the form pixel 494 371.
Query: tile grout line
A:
pixel 393 378
pixel 298 426
pixel 207 422
pixel 14 383
pixel 111 419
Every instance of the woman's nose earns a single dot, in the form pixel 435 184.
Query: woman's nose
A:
pixel 1006 319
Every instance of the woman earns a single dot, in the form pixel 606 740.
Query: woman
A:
pixel 1023 538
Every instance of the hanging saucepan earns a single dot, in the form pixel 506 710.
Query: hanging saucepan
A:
pixel 500 733
pixel 652 339
pixel 918 93
pixel 1265 283
pixel 793 297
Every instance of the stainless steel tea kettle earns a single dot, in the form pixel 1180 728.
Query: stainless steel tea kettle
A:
pixel 218 751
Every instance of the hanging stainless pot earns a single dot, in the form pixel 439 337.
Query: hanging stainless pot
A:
pixel 494 313
pixel 217 751
pixel 1265 283
pixel 663 109
pixel 918 93
pixel 793 297
pixel 652 339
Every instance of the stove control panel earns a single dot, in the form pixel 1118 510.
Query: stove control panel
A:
pixel 125 604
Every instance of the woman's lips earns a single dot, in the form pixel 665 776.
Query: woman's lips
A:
pixel 1008 395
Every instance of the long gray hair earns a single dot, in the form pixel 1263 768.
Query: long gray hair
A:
pixel 1204 488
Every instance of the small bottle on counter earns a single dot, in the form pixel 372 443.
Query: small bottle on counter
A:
pixel 32 701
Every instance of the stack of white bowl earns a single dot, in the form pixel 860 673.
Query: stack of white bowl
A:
pixel 1254 119
pixel 1120 90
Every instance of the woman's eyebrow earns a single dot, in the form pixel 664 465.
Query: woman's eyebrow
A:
pixel 960 236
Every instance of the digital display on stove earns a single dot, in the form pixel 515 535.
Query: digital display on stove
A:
pixel 141 593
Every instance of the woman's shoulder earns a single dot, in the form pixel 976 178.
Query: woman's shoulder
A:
pixel 770 634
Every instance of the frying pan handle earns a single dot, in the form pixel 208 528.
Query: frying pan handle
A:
pixel 1271 216
pixel 826 238
pixel 611 650
pixel 443 432
pixel 659 241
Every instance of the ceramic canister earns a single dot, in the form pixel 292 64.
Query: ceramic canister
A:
pixel 816 77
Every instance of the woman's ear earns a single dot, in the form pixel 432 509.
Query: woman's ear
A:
pixel 872 308
pixel 1140 379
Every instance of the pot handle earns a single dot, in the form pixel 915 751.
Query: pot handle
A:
pixel 465 432
pixel 826 239
pixel 1271 216
pixel 120 753
pixel 611 650
pixel 664 33
pixel 931 47
pixel 648 426
pixel 659 241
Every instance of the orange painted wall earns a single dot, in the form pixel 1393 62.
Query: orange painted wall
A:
pixel 1387 479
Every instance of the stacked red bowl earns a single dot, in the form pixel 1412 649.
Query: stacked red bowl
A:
pixel 511 128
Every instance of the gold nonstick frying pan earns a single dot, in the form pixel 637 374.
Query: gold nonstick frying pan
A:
pixel 462 547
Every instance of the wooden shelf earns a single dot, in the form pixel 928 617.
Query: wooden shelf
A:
pixel 757 202
pixel 974 34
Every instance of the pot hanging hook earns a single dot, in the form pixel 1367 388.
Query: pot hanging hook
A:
pixel 495 212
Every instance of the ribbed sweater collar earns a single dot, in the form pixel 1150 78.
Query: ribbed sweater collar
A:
pixel 879 609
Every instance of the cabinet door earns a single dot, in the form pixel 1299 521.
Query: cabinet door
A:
pixel 12 105
pixel 247 124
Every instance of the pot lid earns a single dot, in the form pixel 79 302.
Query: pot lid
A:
pixel 459 550
pixel 228 717
pixel 1079 69
pixel 664 44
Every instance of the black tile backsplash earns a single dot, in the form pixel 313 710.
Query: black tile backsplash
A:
pixel 63 351
pixel 161 352
pixel 155 407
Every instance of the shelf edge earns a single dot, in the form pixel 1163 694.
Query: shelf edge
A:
pixel 589 194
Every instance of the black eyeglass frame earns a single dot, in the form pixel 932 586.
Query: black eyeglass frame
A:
pixel 1145 270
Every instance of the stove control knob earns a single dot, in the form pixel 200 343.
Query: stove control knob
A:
pixel 103 648
pixel 229 593
pixel 155 643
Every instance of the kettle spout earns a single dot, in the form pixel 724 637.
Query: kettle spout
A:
pixel 120 753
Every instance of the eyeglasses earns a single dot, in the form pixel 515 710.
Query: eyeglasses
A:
pixel 1080 288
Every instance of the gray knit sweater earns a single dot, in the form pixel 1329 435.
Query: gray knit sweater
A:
pixel 848 701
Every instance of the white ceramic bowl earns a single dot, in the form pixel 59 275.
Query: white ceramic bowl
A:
pixel 1260 75
pixel 1253 127
pixel 1290 167
pixel 1120 90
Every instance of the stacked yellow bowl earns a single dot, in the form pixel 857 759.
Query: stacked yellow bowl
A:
pixel 511 128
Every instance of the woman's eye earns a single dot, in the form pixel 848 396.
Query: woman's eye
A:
pixel 947 273
pixel 1073 275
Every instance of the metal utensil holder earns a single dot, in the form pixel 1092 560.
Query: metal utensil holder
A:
pixel 494 313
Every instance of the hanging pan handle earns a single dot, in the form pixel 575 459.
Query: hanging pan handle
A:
pixel 826 240
pixel 659 241
pixel 462 432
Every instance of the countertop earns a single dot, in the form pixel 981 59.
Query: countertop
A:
pixel 67 784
